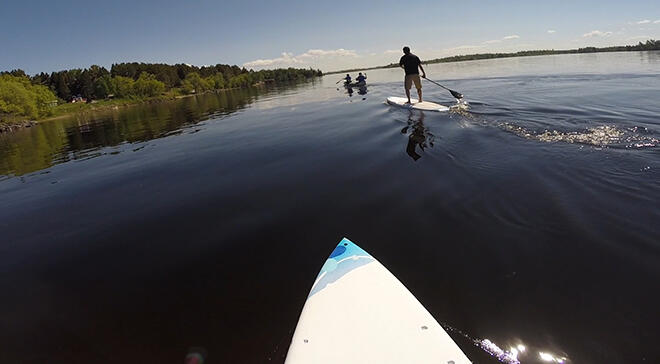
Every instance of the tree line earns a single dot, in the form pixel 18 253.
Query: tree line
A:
pixel 19 97
pixel 649 45
pixel 150 79
pixel 32 96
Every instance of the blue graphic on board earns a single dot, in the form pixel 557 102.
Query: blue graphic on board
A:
pixel 346 257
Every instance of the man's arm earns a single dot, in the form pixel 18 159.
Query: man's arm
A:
pixel 422 68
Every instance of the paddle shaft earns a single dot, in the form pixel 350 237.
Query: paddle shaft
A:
pixel 457 95
pixel 437 84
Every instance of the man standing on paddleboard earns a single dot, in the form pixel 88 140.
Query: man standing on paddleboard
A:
pixel 411 64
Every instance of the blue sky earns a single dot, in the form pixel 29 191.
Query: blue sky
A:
pixel 46 36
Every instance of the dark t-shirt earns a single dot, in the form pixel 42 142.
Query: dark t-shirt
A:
pixel 410 63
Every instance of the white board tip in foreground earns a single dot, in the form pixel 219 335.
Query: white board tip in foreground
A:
pixel 358 312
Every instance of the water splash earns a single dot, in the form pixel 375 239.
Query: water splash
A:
pixel 508 357
pixel 505 356
pixel 462 107
pixel 603 136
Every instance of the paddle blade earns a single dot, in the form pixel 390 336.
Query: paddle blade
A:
pixel 457 95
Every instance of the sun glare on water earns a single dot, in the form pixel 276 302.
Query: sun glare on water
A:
pixel 512 355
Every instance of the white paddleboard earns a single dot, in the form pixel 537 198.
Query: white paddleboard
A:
pixel 425 105
pixel 358 312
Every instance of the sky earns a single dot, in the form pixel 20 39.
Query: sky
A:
pixel 45 36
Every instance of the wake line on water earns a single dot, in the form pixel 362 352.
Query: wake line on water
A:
pixel 604 136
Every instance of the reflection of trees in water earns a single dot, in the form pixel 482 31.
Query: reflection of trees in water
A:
pixel 75 137
pixel 147 122
pixel 30 150
pixel 419 135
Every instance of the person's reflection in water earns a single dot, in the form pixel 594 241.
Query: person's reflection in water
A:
pixel 419 135
pixel 362 91
pixel 349 90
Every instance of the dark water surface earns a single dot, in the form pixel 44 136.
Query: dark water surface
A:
pixel 130 235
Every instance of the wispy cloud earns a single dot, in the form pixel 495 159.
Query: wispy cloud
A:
pixel 657 21
pixel 639 37
pixel 463 47
pixel 508 37
pixel 596 33
pixel 552 31
pixel 645 21
pixel 336 52
pixel 392 51
pixel 287 59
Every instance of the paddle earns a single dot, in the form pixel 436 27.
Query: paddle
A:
pixel 457 95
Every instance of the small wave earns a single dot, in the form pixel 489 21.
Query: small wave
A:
pixel 604 136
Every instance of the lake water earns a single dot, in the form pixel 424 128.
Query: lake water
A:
pixel 533 218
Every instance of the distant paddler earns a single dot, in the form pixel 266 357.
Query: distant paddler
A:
pixel 347 80
pixel 361 79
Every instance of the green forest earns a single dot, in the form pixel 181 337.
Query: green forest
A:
pixel 36 97
pixel 19 97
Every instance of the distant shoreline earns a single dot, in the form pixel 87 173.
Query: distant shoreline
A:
pixel 650 45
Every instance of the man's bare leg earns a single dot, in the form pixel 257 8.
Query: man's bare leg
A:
pixel 419 93
pixel 408 94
